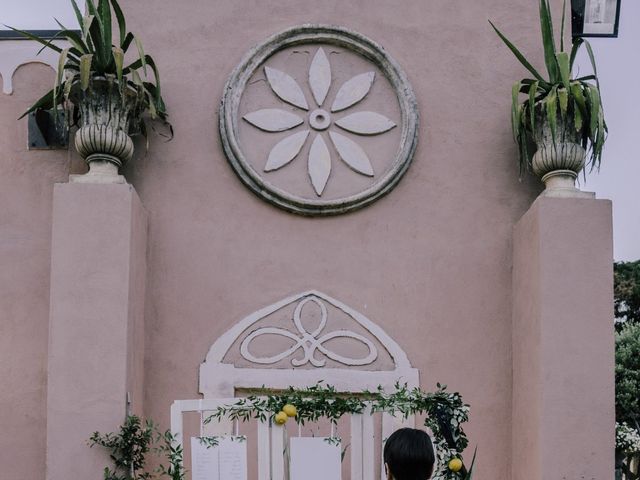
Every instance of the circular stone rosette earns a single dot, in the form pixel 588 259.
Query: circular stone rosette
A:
pixel 319 120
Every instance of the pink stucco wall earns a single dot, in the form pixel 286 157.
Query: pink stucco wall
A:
pixel 95 343
pixel 433 257
pixel 430 263
pixel 26 189
pixel 562 346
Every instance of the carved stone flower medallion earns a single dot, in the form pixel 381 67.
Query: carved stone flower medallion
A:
pixel 319 120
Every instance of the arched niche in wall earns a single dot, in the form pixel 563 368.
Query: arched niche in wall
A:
pixel 15 53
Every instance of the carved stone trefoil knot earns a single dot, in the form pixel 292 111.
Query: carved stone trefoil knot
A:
pixel 309 342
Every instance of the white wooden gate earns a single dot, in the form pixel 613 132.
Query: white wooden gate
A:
pixel 343 349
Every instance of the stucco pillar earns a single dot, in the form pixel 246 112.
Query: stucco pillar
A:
pixel 563 348
pixel 95 353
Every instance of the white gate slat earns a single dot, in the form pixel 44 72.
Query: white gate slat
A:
pixel 277 452
pixel 368 445
pixel 356 447
pixel 271 438
pixel 387 429
pixel 176 422
pixel 263 450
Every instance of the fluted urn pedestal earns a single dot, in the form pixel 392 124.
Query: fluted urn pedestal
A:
pixel 559 158
pixel 102 139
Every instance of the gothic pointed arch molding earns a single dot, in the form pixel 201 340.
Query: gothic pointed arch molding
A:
pixel 299 341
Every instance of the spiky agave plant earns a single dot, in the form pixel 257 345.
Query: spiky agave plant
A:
pixel 91 54
pixel 559 101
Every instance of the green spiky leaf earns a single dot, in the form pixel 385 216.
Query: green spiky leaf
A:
pixel 517 53
pixel 104 8
pixel 563 102
pixel 62 60
pixel 564 14
pixel 122 24
pixel 85 70
pixel 594 103
pixel 592 59
pixel 575 47
pixel 562 59
pixel 532 104
pixel 577 118
pixel 141 54
pixel 551 105
pixel 576 92
pixel 86 30
pixel 118 57
pixel 548 42
pixel 73 38
pixel 97 33
pixel 45 102
pixel 515 104
pixel 31 36
pixel 77 12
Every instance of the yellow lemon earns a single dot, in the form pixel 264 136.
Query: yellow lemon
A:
pixel 290 410
pixel 455 464
pixel 280 418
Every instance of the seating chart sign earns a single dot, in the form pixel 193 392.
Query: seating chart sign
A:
pixel 315 458
pixel 219 458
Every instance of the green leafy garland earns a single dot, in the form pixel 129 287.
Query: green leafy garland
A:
pixel 445 414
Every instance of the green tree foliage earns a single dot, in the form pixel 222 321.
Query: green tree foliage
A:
pixel 628 375
pixel 128 449
pixel 626 292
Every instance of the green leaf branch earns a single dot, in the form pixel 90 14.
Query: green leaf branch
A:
pixel 445 413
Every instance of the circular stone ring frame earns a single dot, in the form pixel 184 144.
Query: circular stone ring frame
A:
pixel 324 34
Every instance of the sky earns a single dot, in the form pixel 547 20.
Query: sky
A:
pixel 19 14
pixel 618 63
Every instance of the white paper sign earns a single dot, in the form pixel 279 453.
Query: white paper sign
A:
pixel 219 458
pixel 600 16
pixel 314 458
pixel 204 461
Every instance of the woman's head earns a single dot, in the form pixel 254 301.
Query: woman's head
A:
pixel 409 455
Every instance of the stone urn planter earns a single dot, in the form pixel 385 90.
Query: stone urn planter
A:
pixel 102 139
pixel 104 95
pixel 558 161
pixel 561 113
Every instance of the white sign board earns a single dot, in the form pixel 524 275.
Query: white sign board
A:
pixel 314 458
pixel 219 458
pixel 599 17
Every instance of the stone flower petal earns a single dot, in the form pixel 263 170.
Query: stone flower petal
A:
pixel 365 123
pixel 320 76
pixel 273 119
pixel 285 150
pixel 285 87
pixel 352 154
pixel 353 91
pixel 319 164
